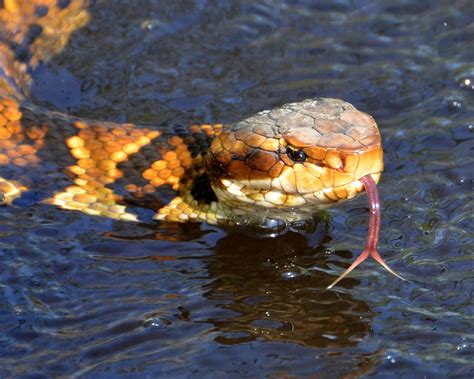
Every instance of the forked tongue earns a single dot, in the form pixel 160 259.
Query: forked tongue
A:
pixel 373 235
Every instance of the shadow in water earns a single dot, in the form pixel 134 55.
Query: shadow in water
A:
pixel 266 287
pixel 271 288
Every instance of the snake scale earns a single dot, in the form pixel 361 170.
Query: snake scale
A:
pixel 279 164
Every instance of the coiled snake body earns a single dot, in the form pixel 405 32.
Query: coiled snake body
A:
pixel 280 164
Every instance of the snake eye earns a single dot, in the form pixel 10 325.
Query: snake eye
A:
pixel 297 156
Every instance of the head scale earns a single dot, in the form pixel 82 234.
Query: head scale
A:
pixel 291 159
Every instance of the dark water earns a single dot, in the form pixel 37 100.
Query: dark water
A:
pixel 89 297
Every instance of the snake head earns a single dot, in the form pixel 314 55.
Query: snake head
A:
pixel 292 159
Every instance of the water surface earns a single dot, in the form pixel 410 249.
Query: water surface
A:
pixel 91 297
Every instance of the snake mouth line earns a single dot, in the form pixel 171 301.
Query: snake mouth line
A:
pixel 266 195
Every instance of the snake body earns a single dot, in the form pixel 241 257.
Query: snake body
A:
pixel 278 164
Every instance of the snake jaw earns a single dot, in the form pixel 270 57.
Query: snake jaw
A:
pixel 294 159
pixel 373 234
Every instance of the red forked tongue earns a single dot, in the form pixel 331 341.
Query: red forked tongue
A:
pixel 374 228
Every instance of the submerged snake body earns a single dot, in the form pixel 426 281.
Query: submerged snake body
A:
pixel 279 164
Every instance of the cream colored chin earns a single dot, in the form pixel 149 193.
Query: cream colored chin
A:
pixel 264 194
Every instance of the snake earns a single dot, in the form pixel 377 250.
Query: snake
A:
pixel 279 164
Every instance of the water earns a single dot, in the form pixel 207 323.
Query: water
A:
pixel 89 297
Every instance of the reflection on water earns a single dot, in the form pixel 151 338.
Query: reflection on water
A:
pixel 273 292
pixel 91 297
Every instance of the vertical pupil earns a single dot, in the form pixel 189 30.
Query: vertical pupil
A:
pixel 296 155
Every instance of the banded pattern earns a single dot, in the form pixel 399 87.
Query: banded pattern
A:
pixel 279 164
